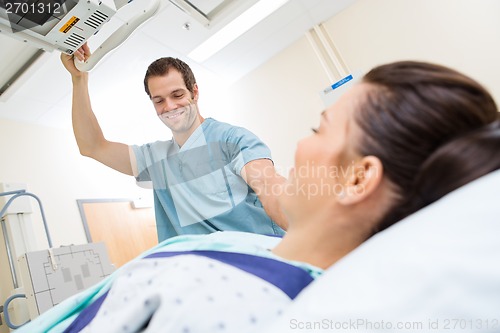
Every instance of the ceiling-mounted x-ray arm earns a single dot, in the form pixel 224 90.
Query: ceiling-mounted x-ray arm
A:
pixel 119 36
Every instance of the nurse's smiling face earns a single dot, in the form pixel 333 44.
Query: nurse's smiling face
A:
pixel 174 103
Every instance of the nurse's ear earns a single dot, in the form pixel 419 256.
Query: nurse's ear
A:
pixel 365 179
pixel 195 93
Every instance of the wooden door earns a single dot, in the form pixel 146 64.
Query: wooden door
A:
pixel 126 231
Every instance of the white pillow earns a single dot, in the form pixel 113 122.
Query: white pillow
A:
pixel 437 270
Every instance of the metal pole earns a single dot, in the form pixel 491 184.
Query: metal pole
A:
pixel 9 255
pixel 16 194
pixel 21 193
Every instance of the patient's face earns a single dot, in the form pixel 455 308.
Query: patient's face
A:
pixel 324 160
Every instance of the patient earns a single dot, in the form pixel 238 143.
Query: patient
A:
pixel 369 164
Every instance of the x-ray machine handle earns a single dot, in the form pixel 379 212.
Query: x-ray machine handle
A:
pixel 118 37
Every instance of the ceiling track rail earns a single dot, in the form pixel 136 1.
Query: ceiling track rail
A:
pixel 12 81
pixel 192 11
pixel 219 13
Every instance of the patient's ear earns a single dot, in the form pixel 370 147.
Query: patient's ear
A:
pixel 365 178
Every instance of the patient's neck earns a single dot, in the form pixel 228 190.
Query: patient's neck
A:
pixel 319 247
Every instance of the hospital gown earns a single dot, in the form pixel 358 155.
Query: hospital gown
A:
pixel 222 282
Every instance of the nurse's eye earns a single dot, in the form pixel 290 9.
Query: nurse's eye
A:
pixel 315 130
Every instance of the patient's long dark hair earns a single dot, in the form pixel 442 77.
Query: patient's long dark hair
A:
pixel 411 110
pixel 457 163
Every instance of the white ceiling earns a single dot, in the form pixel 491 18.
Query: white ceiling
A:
pixel 43 94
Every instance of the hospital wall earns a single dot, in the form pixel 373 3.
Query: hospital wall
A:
pixel 282 98
pixel 279 101
pixel 48 162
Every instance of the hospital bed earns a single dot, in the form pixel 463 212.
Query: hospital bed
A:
pixel 436 271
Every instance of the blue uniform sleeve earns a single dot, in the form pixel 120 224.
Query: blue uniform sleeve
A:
pixel 149 159
pixel 248 148
pixel 141 159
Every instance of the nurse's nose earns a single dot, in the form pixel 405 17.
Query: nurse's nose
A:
pixel 171 105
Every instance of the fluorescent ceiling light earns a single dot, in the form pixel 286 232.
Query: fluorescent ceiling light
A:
pixel 235 28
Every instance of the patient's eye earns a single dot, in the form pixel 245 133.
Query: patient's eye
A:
pixel 315 130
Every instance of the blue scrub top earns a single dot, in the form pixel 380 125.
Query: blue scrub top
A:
pixel 198 188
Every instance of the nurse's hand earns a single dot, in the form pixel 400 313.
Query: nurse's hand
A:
pixel 82 54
